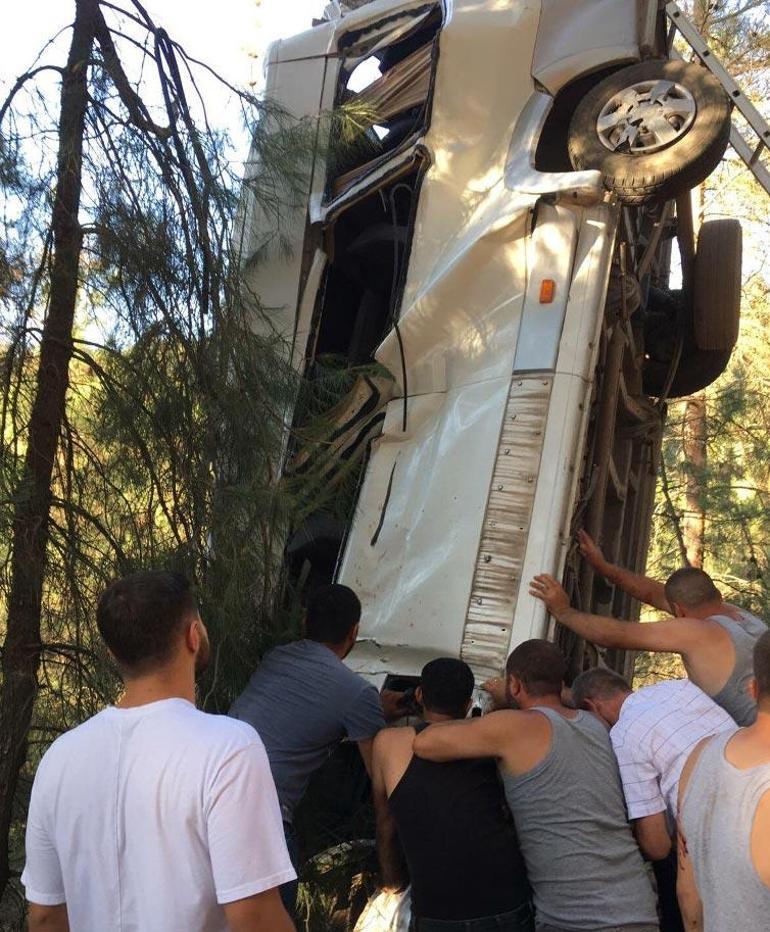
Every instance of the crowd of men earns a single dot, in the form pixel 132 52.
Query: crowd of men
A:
pixel 593 809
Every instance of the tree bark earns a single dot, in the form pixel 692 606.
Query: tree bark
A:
pixel 695 453
pixel 21 649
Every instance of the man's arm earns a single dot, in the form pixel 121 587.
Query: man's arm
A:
pixel 47 918
pixel 475 737
pixel 392 868
pixel 365 749
pixel 678 635
pixel 263 912
pixel 362 719
pixel 636 585
pixel 652 836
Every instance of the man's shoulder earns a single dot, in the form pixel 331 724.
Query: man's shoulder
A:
pixel 80 734
pixel 665 695
pixel 220 730
pixel 393 736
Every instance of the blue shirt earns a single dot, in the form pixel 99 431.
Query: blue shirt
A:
pixel 303 700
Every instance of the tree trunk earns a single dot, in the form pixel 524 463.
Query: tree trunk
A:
pixel 21 650
pixel 695 443
pixel 695 453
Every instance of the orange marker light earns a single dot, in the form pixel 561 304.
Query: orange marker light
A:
pixel 547 289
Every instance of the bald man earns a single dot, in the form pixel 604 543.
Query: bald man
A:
pixel 714 638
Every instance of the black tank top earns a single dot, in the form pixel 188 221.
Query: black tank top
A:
pixel 459 840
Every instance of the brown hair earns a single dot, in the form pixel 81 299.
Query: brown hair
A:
pixel 140 618
pixel 762 665
pixel 539 665
pixel 691 587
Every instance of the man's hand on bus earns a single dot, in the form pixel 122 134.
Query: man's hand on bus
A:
pixel 545 588
pixel 496 688
pixel 592 552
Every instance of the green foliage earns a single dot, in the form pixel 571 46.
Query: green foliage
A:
pixel 175 417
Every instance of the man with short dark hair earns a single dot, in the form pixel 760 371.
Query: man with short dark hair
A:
pixel 653 731
pixel 303 701
pixel 562 785
pixel 724 821
pixel 153 815
pixel 714 638
pixel 462 853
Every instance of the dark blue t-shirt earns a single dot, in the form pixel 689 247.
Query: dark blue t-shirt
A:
pixel 303 700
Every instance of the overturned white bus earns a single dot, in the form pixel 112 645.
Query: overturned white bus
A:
pixel 498 241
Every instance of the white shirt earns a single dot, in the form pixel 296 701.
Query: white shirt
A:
pixel 658 727
pixel 147 819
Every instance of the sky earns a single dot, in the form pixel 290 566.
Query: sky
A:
pixel 229 35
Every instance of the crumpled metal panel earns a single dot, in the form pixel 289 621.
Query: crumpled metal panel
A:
pixel 466 265
pixel 498 572
pixel 411 547
pixel 576 37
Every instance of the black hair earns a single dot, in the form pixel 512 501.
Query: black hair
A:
pixel 691 587
pixel 447 685
pixel 540 666
pixel 332 613
pixel 140 618
pixel 599 683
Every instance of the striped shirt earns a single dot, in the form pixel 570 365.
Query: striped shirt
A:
pixel 658 727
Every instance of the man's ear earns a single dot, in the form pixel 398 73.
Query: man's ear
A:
pixel 418 695
pixel 679 610
pixel 193 635
pixel 590 705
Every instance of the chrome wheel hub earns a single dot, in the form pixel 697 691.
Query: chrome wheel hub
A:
pixel 646 117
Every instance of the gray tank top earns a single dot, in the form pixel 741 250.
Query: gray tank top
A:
pixel 583 863
pixel 717 815
pixel 733 696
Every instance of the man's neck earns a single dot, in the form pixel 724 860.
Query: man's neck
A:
pixel 432 717
pixel 156 687
pixel 761 727
pixel 550 702
pixel 340 650
pixel 708 611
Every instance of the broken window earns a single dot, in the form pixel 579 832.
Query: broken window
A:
pixel 346 392
pixel 383 99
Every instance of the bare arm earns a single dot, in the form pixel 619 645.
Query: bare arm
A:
pixel 640 587
pixel 470 738
pixel 365 749
pixel 47 918
pixel 678 635
pixel 652 836
pixel 392 868
pixel 261 913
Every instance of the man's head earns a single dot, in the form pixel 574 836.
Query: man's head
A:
pixel 760 686
pixel 446 687
pixel 601 691
pixel 535 671
pixel 691 592
pixel 332 617
pixel 149 621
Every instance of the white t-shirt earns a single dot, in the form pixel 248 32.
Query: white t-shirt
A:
pixel 147 819
pixel 658 727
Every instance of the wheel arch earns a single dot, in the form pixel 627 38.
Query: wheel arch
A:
pixel 552 154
